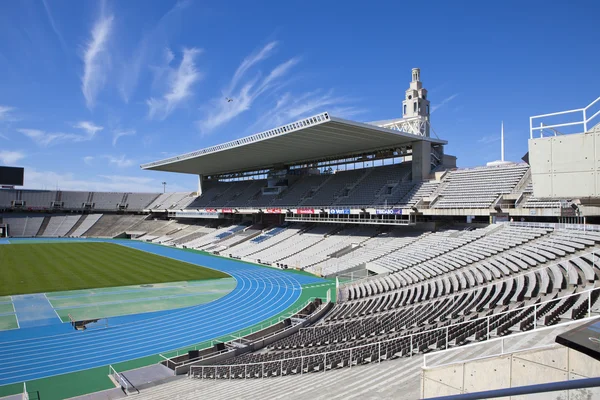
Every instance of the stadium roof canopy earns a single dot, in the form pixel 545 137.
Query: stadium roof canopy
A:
pixel 311 139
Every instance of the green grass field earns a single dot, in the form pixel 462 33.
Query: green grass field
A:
pixel 39 268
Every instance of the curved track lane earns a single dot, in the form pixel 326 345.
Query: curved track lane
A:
pixel 260 294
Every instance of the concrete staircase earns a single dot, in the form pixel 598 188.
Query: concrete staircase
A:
pixel 43 227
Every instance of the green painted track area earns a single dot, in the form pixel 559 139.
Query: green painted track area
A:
pixel 8 322
pixel 51 267
pixel 6 308
pixel 125 300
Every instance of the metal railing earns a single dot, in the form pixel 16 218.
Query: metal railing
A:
pixel 366 221
pixel 584 121
pixel 522 391
pixel 121 380
pixel 555 226
pixel 376 348
pixel 502 341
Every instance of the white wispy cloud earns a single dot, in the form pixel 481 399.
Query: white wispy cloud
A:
pixel 244 91
pixel 89 127
pixel 291 107
pixel 249 62
pixel 88 160
pixel 3 136
pixel 35 179
pixel 5 112
pixel 44 139
pixel 152 41
pixel 10 157
pixel 119 161
pixel 179 86
pixel 489 139
pixel 96 59
pixel 120 133
pixel 54 27
pixel 129 179
pixel 447 100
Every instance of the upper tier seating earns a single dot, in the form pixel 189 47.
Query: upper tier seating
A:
pixel 299 189
pixel 38 199
pixel 335 188
pixel 73 200
pixel 478 187
pixel 108 201
pixel 418 192
pixel 139 201
pixel 535 202
pixel 170 201
pixel 376 186
pixel 6 198
pixel 76 200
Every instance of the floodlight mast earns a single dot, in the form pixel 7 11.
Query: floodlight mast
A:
pixel 164 187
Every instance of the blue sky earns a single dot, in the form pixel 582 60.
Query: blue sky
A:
pixel 90 90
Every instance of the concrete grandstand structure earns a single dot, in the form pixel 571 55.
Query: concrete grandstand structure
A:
pixel 427 256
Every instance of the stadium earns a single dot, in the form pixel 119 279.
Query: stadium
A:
pixel 322 258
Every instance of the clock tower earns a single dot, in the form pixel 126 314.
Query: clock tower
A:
pixel 415 102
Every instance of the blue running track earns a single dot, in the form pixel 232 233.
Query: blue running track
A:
pixel 260 294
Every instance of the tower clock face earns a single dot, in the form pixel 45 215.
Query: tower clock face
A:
pixel 409 97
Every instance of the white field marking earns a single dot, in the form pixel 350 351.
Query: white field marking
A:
pixel 241 274
pixel 53 309
pixel 161 318
pixel 15 311
pixel 224 333
pixel 50 370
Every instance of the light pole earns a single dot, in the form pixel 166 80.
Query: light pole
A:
pixel 164 187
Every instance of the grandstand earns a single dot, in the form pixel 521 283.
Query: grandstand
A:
pixel 425 256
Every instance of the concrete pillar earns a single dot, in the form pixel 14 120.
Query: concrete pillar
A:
pixel 199 185
pixel 421 160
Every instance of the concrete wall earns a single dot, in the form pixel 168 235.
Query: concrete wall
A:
pixel 566 166
pixel 421 160
pixel 554 364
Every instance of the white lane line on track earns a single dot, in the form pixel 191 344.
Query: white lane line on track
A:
pixel 176 316
pixel 97 347
pixel 262 291
pixel 162 319
pixel 46 370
